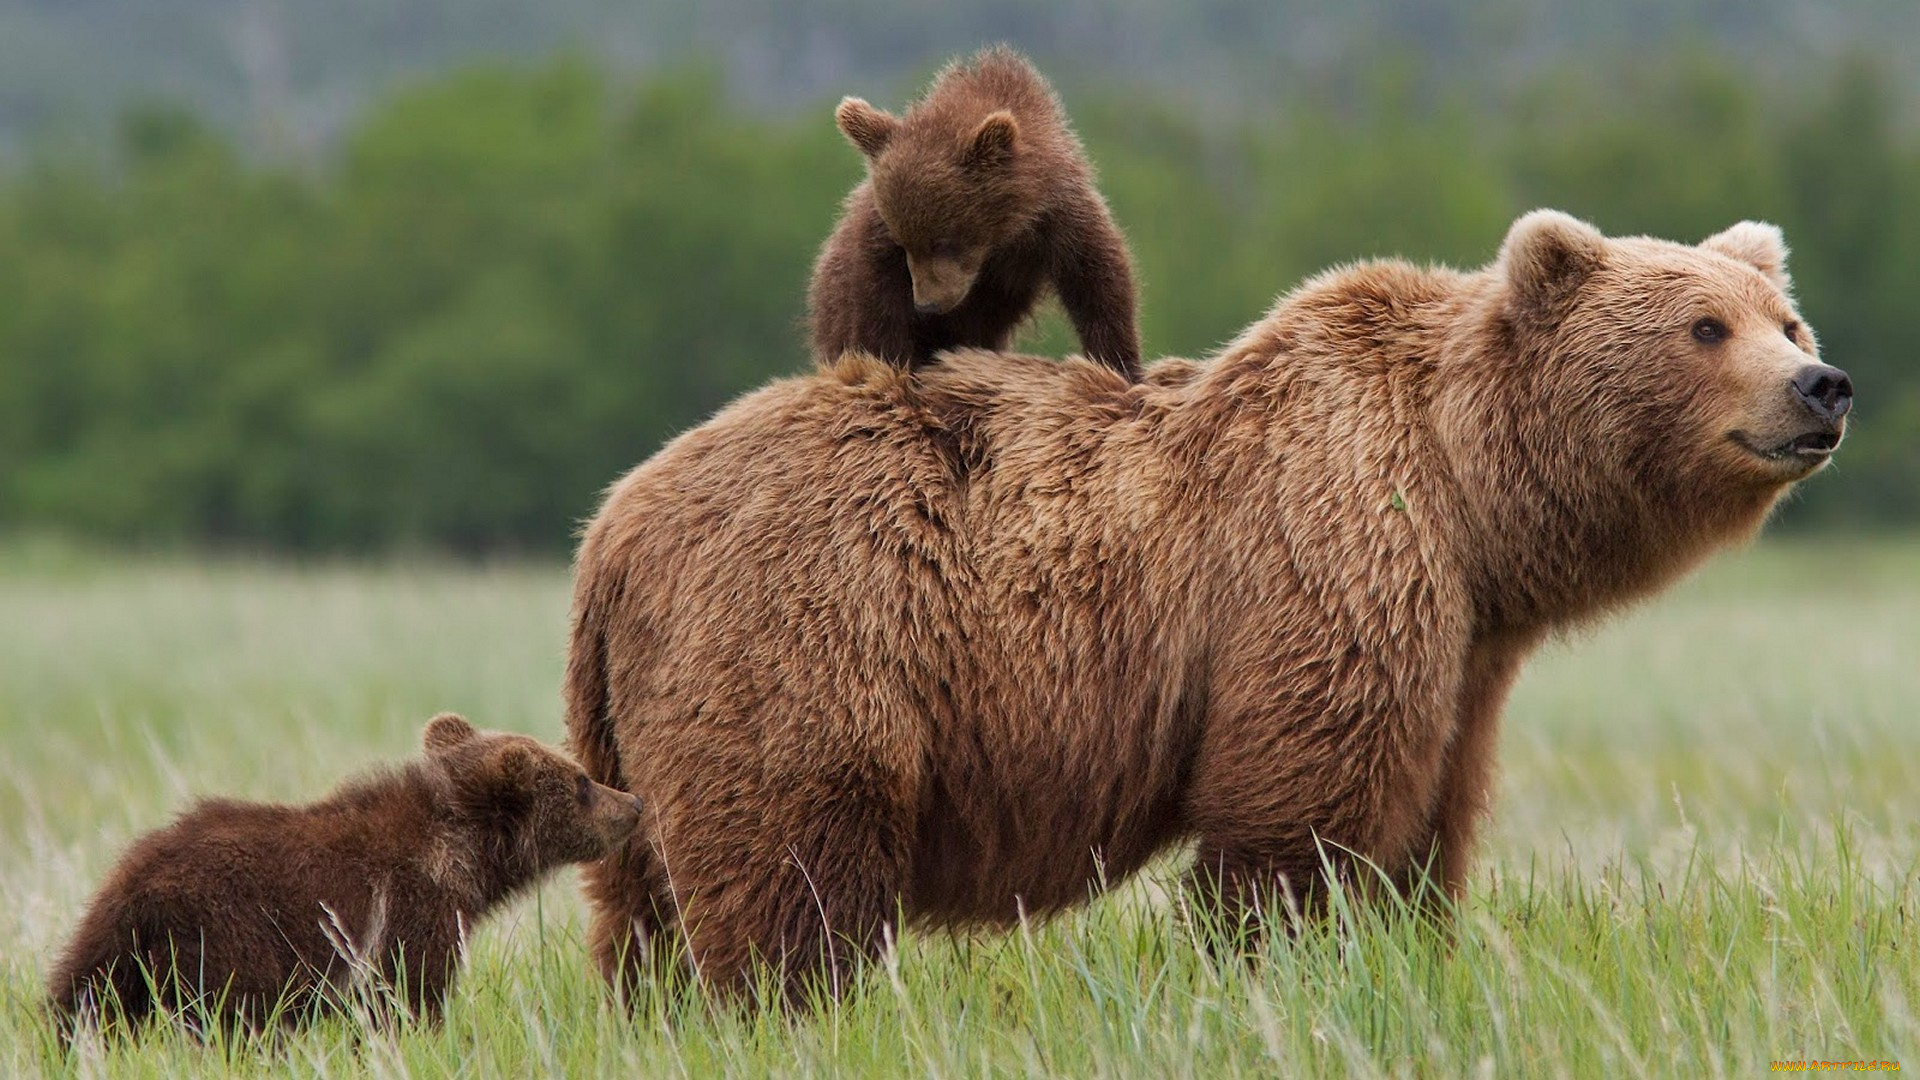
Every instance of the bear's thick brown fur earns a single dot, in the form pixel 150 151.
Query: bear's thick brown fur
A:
pixel 243 911
pixel 965 644
pixel 976 200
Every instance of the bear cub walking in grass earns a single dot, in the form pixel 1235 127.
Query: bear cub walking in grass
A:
pixel 976 199
pixel 251 911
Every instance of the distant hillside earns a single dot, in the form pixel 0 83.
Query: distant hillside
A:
pixel 292 72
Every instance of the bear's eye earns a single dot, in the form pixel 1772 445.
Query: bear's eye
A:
pixel 943 249
pixel 583 789
pixel 1792 329
pixel 1710 331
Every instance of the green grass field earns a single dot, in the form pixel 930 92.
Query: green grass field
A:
pixel 1703 856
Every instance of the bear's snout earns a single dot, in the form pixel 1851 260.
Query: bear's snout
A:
pixel 937 296
pixel 1825 391
pixel 940 284
pixel 626 810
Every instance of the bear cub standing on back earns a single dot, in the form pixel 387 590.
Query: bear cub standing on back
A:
pixel 250 911
pixel 975 200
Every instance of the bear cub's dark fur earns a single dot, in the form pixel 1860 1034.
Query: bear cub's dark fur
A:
pixel 975 201
pixel 243 911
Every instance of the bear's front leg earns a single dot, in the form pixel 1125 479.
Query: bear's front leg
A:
pixel 861 298
pixel 415 978
pixel 1238 887
pixel 1443 856
pixel 1093 276
pixel 1316 791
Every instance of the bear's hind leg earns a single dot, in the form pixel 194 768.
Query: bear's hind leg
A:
pixel 809 903
pixel 633 934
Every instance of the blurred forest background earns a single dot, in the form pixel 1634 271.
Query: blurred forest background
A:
pixel 357 275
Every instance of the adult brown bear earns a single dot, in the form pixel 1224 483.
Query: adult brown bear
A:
pixel 961 645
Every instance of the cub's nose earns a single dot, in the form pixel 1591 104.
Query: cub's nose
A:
pixel 927 307
pixel 1826 391
pixel 637 808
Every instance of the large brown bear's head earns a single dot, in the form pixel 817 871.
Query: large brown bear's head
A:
pixel 1635 403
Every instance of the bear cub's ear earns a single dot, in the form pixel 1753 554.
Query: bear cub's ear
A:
pixel 994 140
pixel 866 127
pixel 446 731
pixel 514 766
pixel 1759 245
pixel 1547 257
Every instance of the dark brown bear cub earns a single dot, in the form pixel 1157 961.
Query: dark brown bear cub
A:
pixel 976 200
pixel 247 911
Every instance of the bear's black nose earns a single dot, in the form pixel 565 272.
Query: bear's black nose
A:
pixel 1826 390
pixel 637 808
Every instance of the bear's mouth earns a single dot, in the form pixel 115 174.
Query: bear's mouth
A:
pixel 1814 443
pixel 1809 448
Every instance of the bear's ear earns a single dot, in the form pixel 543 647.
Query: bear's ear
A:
pixel 993 141
pixel 864 126
pixel 446 731
pixel 1547 256
pixel 1759 245
pixel 513 767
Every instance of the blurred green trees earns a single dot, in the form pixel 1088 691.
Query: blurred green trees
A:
pixel 507 286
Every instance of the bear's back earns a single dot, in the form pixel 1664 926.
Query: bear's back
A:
pixel 927 463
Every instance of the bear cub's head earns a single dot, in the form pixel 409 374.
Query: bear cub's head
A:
pixel 963 171
pixel 536 808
